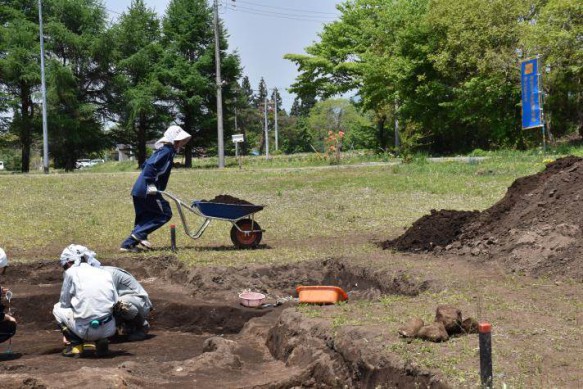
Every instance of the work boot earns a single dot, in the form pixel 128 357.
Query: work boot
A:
pixel 73 350
pixel 143 242
pixel 88 349
pixel 102 347
pixel 130 245
pixel 129 249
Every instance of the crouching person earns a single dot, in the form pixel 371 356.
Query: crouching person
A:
pixel 7 322
pixel 134 305
pixel 85 308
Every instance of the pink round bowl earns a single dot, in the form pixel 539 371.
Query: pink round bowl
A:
pixel 251 299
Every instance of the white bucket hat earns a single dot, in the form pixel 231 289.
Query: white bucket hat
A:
pixel 3 259
pixel 74 253
pixel 171 135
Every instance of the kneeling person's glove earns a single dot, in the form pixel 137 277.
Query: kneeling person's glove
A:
pixel 151 190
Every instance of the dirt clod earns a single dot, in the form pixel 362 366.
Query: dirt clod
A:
pixel 434 332
pixel 470 325
pixel 451 317
pixel 411 328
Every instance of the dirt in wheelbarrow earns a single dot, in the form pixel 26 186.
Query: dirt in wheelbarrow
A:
pixel 202 337
pixel 227 199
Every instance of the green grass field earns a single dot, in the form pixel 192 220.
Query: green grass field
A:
pixel 330 205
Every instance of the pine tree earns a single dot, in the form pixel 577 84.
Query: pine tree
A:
pixel 76 78
pixel 190 69
pixel 137 99
pixel 261 93
pixel 276 98
pixel 247 90
pixel 20 70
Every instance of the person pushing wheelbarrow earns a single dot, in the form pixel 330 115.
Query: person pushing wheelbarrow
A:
pixel 152 211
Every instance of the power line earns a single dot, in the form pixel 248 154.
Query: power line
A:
pixel 113 12
pixel 306 11
pixel 278 15
pixel 304 16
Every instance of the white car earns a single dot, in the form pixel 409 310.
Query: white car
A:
pixel 1 165
pixel 82 163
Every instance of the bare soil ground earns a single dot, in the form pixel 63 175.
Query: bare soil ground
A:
pixel 200 336
pixel 529 289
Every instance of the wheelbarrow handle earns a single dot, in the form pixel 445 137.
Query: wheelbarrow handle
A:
pixel 179 205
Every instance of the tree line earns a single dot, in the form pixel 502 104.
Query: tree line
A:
pixel 108 83
pixel 444 72
pixel 447 72
pixel 123 82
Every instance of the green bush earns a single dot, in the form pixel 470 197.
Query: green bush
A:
pixel 12 159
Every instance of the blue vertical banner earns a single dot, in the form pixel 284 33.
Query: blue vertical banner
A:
pixel 531 100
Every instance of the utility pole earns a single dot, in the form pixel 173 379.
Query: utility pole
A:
pixel 266 129
pixel 397 143
pixel 220 140
pixel 44 90
pixel 275 118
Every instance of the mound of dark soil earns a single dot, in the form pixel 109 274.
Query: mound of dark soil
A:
pixel 537 228
pixel 433 230
pixel 226 199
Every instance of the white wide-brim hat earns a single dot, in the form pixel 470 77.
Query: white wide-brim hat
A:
pixel 171 135
pixel 3 259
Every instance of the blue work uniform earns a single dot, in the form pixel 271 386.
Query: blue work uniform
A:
pixel 152 211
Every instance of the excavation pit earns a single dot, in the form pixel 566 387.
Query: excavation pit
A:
pixel 199 329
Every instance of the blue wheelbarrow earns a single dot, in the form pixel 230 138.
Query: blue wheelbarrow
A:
pixel 245 231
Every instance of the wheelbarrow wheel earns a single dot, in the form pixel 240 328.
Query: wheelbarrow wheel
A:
pixel 249 236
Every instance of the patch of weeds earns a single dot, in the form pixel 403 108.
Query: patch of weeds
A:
pixel 403 349
pixel 339 321
pixel 454 360
pixel 310 311
pixel 389 300
pixel 330 215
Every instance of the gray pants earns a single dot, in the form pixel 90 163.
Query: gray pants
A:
pixel 83 331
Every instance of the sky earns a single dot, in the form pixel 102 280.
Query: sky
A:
pixel 262 32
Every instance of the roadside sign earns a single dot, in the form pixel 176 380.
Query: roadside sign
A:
pixel 531 94
pixel 238 138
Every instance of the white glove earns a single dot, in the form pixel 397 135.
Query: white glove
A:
pixel 151 190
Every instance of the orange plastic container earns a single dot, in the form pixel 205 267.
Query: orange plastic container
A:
pixel 321 294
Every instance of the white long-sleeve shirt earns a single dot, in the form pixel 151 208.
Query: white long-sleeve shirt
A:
pixel 89 292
